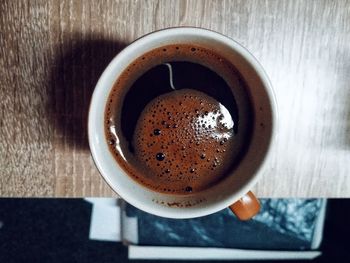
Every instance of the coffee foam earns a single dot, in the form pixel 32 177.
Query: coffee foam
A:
pixel 184 139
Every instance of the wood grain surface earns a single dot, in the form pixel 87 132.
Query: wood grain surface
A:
pixel 52 53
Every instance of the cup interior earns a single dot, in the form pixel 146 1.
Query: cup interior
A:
pixel 233 186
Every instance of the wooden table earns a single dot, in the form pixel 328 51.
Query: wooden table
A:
pixel 52 53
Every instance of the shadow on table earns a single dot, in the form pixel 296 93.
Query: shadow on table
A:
pixel 347 131
pixel 340 133
pixel 73 77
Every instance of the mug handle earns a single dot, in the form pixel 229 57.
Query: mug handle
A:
pixel 246 207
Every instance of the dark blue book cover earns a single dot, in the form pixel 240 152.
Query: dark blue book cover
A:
pixel 282 224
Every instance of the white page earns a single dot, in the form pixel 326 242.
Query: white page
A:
pixel 197 253
pixel 105 219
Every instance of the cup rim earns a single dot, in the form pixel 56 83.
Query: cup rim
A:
pixel 257 67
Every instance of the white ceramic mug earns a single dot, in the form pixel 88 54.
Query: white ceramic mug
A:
pixel 232 190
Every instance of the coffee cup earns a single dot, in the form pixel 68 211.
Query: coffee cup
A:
pixel 234 190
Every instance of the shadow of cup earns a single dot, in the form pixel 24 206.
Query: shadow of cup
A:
pixel 74 75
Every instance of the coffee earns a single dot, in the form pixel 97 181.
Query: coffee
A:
pixel 178 119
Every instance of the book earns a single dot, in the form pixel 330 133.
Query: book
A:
pixel 284 229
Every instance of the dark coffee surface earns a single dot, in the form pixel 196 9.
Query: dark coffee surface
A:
pixel 184 140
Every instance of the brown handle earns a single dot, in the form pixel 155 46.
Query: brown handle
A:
pixel 246 207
